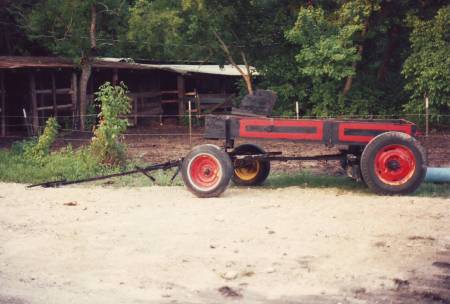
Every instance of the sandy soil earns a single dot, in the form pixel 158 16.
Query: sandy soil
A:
pixel 162 245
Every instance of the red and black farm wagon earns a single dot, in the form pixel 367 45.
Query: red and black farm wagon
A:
pixel 384 154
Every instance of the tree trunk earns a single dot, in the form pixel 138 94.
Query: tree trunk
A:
pixel 248 82
pixel 246 75
pixel 349 81
pixel 86 70
pixel 390 49
pixel 86 67
pixel 93 31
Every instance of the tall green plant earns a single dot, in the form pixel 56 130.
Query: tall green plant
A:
pixel 106 144
pixel 45 141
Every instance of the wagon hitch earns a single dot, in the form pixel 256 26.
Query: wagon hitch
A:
pixel 144 170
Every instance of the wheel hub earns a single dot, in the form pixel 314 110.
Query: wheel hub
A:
pixel 395 164
pixel 248 171
pixel 205 171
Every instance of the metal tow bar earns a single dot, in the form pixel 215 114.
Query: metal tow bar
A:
pixel 144 170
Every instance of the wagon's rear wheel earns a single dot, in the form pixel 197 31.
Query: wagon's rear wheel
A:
pixel 393 163
pixel 250 172
pixel 207 171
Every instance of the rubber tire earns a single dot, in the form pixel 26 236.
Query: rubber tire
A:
pixel 251 149
pixel 224 162
pixel 368 160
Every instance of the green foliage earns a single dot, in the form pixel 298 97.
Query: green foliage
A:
pixel 393 51
pixel 71 165
pixel 63 26
pixel 64 164
pixel 42 148
pixel 31 161
pixel 427 69
pixel 157 25
pixel 106 145
pixel 91 117
pixel 327 50
pixel 181 30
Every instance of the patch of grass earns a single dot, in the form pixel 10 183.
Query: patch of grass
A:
pixel 434 190
pixel 309 180
pixel 73 165
pixel 62 165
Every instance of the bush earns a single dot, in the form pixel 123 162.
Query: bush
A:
pixel 64 164
pixel 39 150
pixel 106 146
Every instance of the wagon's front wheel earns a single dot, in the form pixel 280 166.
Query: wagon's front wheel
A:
pixel 207 171
pixel 393 163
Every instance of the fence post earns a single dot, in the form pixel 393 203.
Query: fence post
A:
pixel 427 104
pixel 297 109
pixel 190 122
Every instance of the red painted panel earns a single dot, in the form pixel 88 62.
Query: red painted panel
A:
pixel 406 128
pixel 317 136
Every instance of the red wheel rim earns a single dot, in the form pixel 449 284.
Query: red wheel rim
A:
pixel 204 171
pixel 395 164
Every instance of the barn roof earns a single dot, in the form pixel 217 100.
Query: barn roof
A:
pixel 17 62
pixel 225 70
pixel 21 62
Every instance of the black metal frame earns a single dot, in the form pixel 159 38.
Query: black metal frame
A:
pixel 145 170
pixel 272 156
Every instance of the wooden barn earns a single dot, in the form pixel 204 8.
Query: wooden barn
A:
pixel 35 88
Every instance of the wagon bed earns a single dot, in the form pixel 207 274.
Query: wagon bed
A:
pixel 330 132
pixel 383 154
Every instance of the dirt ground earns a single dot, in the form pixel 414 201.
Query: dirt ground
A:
pixel 163 245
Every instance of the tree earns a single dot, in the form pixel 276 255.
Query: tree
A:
pixel 79 29
pixel 328 54
pixel 427 68
pixel 192 30
pixel 13 39
pixel 338 57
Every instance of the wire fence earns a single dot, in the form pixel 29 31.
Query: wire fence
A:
pixel 346 116
pixel 193 123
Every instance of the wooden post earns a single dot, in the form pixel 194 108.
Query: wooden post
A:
pixel 115 80
pixel 297 109
pixel 223 84
pixel 190 122
pixel 3 102
pixel 181 92
pixel 74 96
pixel 55 106
pixel 427 113
pixel 197 104
pixel 135 110
pixel 34 111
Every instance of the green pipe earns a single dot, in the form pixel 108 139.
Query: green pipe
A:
pixel 438 175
